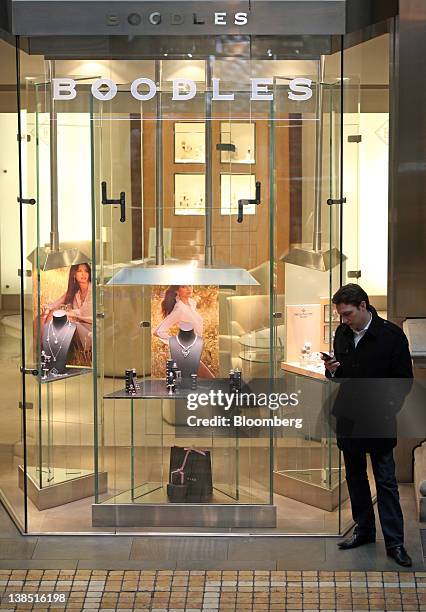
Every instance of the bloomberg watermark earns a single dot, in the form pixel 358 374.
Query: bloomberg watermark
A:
pixel 232 401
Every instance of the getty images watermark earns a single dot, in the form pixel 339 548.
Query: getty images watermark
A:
pixel 230 401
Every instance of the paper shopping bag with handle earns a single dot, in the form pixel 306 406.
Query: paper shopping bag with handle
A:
pixel 190 475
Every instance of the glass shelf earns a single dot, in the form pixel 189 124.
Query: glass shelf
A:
pixel 69 373
pixel 156 389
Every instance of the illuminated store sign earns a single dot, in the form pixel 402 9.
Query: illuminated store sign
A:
pixel 145 89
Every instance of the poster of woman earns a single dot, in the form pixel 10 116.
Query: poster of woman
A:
pixel 68 290
pixel 191 311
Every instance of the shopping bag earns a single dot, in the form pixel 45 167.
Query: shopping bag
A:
pixel 190 475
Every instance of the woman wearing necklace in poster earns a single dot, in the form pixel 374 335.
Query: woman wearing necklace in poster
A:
pixel 77 301
pixel 178 306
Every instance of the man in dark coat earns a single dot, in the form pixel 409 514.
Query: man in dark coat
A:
pixel 372 364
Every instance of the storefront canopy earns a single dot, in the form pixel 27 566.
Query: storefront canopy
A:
pixel 187 17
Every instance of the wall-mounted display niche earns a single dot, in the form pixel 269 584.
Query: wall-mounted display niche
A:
pixel 241 136
pixel 234 187
pixel 190 143
pixel 189 194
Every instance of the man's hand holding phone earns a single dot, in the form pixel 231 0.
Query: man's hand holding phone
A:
pixel 330 362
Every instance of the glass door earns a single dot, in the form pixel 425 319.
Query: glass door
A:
pixel 307 265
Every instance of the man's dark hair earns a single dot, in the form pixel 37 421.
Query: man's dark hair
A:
pixel 351 294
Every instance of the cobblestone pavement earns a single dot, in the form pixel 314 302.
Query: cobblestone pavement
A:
pixel 214 591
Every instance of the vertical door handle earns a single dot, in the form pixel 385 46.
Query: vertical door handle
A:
pixel 121 201
pixel 242 203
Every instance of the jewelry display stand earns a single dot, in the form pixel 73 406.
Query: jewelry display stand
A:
pixel 56 343
pixel 185 350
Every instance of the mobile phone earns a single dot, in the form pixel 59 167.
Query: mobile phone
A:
pixel 327 356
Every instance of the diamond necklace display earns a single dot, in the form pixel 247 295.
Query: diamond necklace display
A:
pixel 186 349
pixel 51 331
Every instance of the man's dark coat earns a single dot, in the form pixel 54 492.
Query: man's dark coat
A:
pixel 374 379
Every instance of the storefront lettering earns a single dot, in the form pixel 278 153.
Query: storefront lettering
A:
pixel 220 19
pixel 261 89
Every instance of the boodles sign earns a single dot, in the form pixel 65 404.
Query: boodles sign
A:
pixel 145 89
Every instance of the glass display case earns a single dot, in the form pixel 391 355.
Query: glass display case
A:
pixel 228 280
pixel 202 230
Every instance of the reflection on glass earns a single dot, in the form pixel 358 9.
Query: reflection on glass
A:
pixel 241 135
pixel 189 143
pixel 234 187
pixel 189 194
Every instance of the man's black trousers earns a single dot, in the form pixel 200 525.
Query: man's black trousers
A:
pixel 389 508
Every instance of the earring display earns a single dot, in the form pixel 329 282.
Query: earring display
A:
pixel 235 381
pixel 44 362
pixel 241 135
pixel 189 194
pixel 234 187
pixel 189 143
pixel 132 383
pixel 173 377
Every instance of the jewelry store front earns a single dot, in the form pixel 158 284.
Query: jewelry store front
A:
pixel 191 192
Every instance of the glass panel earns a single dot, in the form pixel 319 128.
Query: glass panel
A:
pixel 365 178
pixel 306 151
pixel 366 142
pixel 57 245
pixel 11 356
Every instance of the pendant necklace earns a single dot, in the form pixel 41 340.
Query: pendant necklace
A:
pixel 50 330
pixel 186 349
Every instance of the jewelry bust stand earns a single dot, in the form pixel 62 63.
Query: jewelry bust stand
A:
pixel 185 349
pixel 56 342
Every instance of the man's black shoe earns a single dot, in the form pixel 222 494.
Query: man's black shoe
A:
pixel 356 540
pixel 400 555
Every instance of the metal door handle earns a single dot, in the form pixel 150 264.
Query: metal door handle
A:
pixel 242 203
pixel 30 201
pixel 121 201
